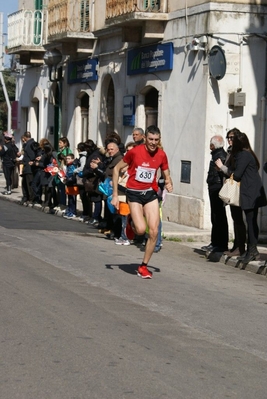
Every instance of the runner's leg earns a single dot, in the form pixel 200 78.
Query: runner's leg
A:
pixel 151 212
pixel 137 215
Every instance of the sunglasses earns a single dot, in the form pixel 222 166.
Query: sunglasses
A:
pixel 230 137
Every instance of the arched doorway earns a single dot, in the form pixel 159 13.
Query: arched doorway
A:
pixel 84 104
pixel 151 107
pixel 107 109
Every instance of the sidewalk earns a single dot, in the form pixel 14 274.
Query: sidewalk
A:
pixel 189 236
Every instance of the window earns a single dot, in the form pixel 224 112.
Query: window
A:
pixel 152 5
pixel 84 15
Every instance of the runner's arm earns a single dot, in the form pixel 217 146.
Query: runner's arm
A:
pixel 168 180
pixel 115 179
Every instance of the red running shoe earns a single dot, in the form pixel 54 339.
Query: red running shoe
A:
pixel 129 230
pixel 143 272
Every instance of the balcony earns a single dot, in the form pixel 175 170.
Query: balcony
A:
pixel 141 20
pixel 26 35
pixel 69 26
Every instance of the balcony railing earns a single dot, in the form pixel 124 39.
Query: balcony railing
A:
pixel 27 28
pixel 68 16
pixel 117 8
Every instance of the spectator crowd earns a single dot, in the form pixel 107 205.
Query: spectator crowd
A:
pixel 54 179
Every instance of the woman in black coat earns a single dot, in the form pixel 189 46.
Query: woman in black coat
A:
pixel 92 196
pixel 240 233
pixel 8 156
pixel 252 196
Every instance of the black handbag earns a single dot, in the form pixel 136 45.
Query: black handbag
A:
pixel 90 183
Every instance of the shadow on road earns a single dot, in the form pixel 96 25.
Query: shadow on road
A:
pixel 131 268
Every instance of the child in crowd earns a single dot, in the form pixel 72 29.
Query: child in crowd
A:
pixel 124 209
pixel 71 188
pixel 21 155
pixel 80 164
pixel 64 151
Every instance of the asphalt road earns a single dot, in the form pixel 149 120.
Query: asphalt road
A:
pixel 76 322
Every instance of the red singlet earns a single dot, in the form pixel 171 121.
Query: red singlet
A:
pixel 143 166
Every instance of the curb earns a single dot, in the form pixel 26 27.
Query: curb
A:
pixel 186 238
pixel 257 267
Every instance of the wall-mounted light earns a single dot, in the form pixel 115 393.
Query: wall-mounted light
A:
pixel 52 59
pixel 197 44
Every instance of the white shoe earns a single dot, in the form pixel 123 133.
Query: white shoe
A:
pixel 121 241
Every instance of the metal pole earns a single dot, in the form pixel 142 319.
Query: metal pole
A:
pixel 1 74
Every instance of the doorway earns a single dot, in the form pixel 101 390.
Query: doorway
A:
pixel 84 104
pixel 151 107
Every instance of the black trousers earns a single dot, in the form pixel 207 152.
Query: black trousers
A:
pixel 239 228
pixel 8 171
pixel 219 230
pixel 86 202
pixel 252 225
pixel 27 191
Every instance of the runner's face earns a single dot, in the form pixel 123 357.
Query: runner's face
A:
pixel 152 141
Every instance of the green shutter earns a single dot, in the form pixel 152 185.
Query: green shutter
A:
pixel 152 4
pixel 38 21
pixel 84 16
pixel 38 4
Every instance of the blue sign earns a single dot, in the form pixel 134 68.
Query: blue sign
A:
pixel 158 57
pixel 129 111
pixel 82 71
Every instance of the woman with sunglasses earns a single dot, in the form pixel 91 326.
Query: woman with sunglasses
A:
pixel 245 166
pixel 236 211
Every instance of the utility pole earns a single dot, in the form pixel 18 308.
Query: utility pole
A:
pixel 1 73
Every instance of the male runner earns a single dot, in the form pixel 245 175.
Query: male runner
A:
pixel 143 162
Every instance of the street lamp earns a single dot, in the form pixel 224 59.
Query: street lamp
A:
pixel 52 59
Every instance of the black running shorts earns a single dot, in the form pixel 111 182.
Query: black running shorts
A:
pixel 142 197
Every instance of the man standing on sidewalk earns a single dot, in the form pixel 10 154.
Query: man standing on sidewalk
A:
pixel 219 229
pixel 30 154
pixel 143 162
pixel 8 156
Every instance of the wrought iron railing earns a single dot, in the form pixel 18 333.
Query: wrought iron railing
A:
pixel 68 16
pixel 116 8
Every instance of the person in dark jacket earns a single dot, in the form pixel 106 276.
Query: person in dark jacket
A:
pixel 219 229
pixel 31 154
pixel 105 170
pixel 91 196
pixel 246 165
pixel 240 233
pixel 46 179
pixel 80 164
pixel 9 160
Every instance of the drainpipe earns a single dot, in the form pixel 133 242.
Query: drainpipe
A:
pixel 240 64
pixel 262 131
pixel 7 101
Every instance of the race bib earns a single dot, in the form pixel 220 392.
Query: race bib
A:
pixel 145 175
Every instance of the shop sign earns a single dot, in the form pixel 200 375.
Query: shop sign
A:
pixel 149 59
pixel 82 71
pixel 128 110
